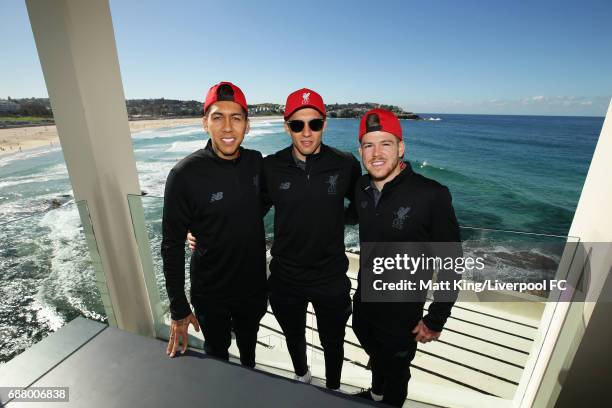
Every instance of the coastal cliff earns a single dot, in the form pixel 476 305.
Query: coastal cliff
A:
pixel 37 111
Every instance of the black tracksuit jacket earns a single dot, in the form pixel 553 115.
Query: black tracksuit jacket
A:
pixel 309 214
pixel 220 202
pixel 429 217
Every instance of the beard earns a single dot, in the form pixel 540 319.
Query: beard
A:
pixel 384 173
pixel 225 150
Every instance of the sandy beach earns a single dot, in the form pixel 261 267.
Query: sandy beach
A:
pixel 18 139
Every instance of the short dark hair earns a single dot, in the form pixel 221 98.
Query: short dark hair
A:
pixel 225 93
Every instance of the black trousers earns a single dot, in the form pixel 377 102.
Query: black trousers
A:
pixel 390 358
pixel 332 305
pixel 218 318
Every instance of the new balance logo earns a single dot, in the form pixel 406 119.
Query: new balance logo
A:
pixel 216 196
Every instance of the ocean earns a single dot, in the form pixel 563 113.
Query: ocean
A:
pixel 510 173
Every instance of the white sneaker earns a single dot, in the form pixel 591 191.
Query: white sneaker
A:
pixel 306 378
pixel 376 397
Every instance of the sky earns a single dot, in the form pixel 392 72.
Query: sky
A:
pixel 487 57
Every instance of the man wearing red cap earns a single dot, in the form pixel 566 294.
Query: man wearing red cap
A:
pixel 307 183
pixel 397 205
pixel 216 194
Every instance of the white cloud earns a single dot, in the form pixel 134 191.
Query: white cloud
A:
pixel 566 101
pixel 528 105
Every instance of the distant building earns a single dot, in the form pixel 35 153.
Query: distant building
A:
pixel 8 106
pixel 265 109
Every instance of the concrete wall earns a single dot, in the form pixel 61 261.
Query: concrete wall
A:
pixel 573 365
pixel 76 47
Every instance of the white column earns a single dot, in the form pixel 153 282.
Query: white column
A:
pixel 76 47
pixel 573 363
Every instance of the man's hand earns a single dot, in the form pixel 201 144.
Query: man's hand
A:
pixel 424 334
pixel 191 240
pixel 178 331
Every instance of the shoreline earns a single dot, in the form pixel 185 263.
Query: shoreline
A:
pixel 16 140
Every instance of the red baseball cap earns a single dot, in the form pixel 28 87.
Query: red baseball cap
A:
pixel 235 96
pixel 386 122
pixel 303 98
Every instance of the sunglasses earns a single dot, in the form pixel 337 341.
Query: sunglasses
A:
pixel 298 125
